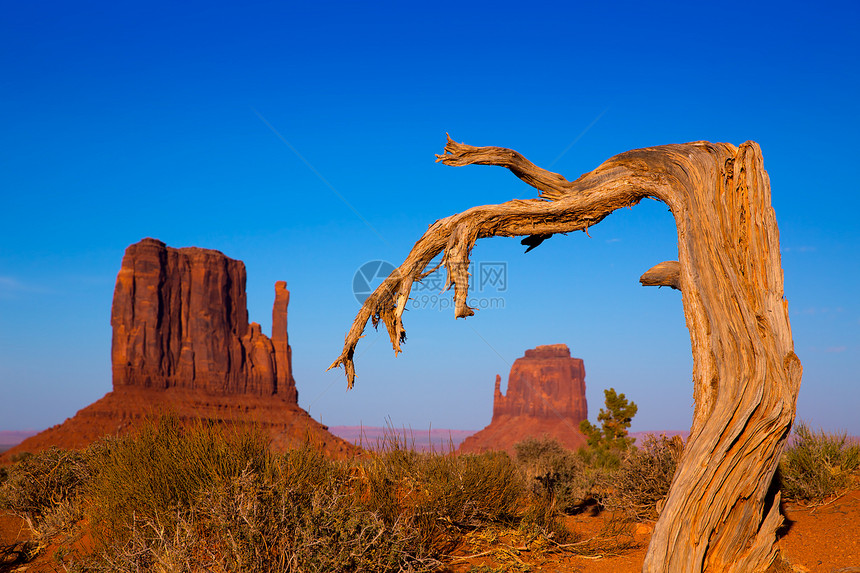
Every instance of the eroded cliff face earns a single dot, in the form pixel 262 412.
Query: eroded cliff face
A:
pixel 180 320
pixel 545 396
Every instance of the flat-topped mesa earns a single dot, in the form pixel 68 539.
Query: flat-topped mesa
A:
pixel 545 397
pixel 180 320
pixel 545 383
pixel 549 351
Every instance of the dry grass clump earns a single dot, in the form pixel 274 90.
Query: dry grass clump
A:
pixel 154 475
pixel 440 496
pixel 818 465
pixel 43 489
pixel 214 498
pixel 252 524
pixel 557 473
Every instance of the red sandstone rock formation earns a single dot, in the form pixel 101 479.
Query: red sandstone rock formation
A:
pixel 182 344
pixel 286 385
pixel 546 396
pixel 180 320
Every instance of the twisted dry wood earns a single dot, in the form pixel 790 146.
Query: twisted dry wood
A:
pixel 721 513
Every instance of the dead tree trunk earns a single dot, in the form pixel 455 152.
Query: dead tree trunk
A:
pixel 721 514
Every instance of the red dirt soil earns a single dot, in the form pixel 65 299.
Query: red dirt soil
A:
pixel 820 539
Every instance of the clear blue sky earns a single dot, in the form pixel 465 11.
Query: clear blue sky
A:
pixel 127 120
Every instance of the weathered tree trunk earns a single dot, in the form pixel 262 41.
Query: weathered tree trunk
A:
pixel 721 514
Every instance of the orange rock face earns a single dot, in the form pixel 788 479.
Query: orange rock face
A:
pixel 286 385
pixel 180 320
pixel 182 345
pixel 546 396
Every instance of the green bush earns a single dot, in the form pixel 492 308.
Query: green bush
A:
pixel 607 443
pixel 817 465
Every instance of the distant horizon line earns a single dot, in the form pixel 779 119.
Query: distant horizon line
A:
pixel 360 431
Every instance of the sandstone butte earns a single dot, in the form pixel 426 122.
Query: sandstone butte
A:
pixel 182 345
pixel 545 397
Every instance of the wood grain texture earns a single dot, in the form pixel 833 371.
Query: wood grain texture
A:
pixel 721 513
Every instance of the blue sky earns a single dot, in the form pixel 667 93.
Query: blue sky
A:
pixel 301 140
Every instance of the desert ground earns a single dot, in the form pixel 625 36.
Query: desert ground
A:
pixel 817 539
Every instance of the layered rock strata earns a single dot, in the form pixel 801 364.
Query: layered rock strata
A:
pixel 545 397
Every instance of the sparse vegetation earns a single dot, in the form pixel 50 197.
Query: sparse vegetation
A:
pixel 818 465
pixel 642 482
pixel 213 497
pixel 163 470
pixel 576 480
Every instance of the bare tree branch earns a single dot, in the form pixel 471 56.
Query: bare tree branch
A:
pixel 459 154
pixel 586 203
pixel 667 273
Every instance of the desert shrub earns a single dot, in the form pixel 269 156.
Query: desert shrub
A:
pixel 439 496
pixel 249 523
pixel 644 477
pixel 556 473
pixel 43 485
pixel 471 490
pixel 156 473
pixel 20 456
pixel 169 499
pixel 214 498
pixel 817 465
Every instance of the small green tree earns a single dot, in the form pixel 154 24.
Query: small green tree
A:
pixel 611 437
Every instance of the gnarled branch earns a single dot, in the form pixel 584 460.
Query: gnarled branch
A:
pixel 579 205
pixel 551 185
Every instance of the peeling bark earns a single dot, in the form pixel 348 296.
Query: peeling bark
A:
pixel 720 514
